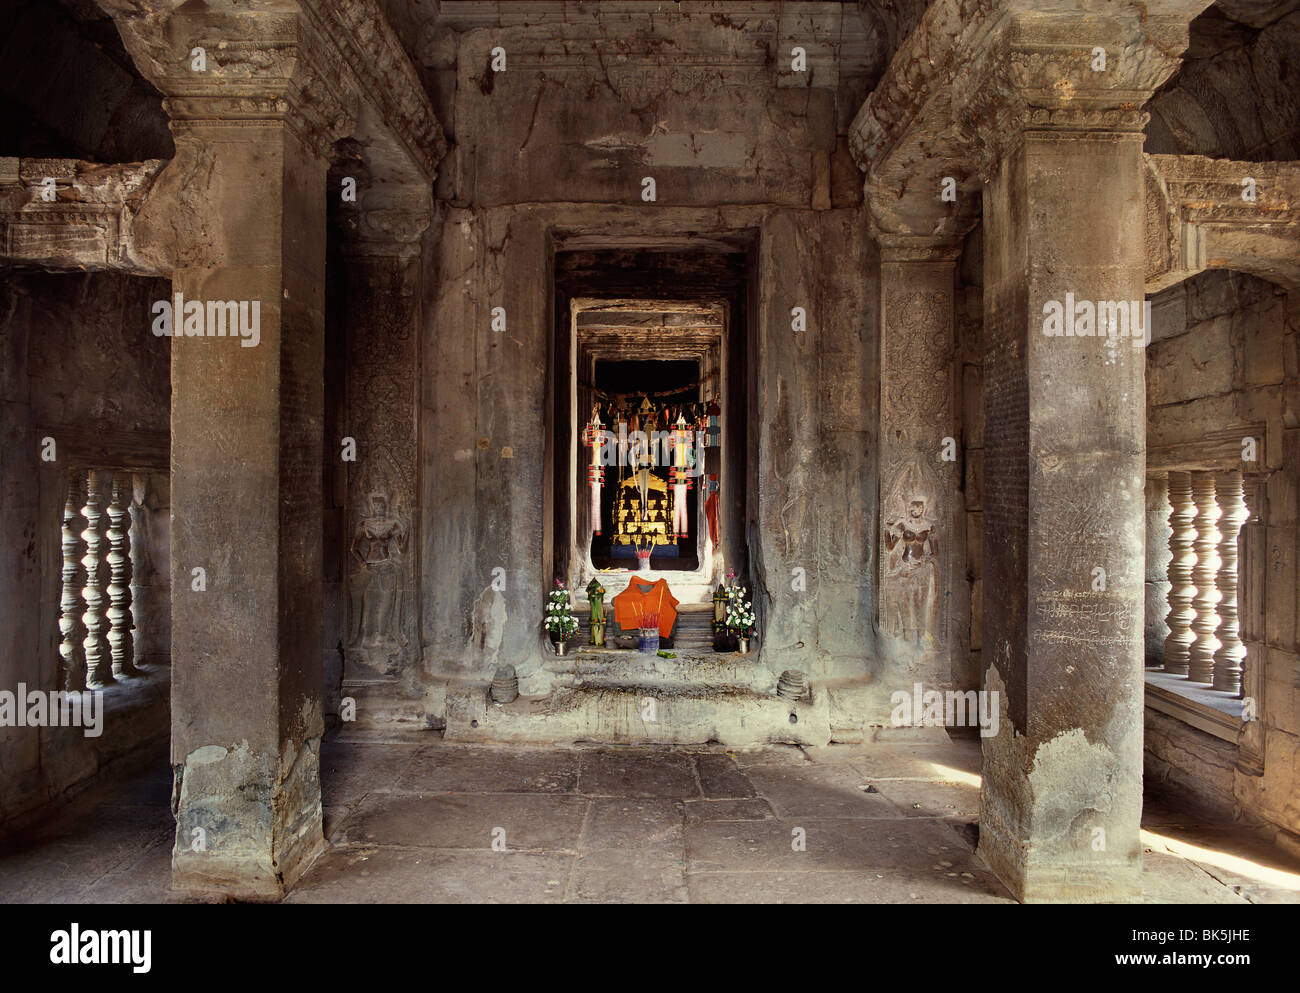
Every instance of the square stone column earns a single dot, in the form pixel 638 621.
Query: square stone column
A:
pixel 919 460
pixel 240 215
pixel 1065 435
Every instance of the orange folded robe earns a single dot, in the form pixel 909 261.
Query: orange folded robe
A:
pixel 642 597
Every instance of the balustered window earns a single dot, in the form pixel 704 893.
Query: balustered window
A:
pixel 1195 591
pixel 96 620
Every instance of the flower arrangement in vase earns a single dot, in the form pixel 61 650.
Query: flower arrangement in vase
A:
pixel 559 621
pixel 739 618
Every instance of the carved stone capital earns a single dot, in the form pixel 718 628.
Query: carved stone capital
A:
pixel 974 76
pixel 224 63
pixel 311 64
pixel 1071 74
pixel 388 220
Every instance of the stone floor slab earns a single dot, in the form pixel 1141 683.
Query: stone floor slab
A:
pixel 845 887
pixel 618 823
pixel 721 778
pixel 843 845
pixel 920 798
pixel 638 772
pixel 753 809
pixel 655 874
pixel 476 770
pixel 418 875
pixel 466 820
pixel 348 771
pixel 819 792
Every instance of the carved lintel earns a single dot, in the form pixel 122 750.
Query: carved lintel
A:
pixel 1218 213
pixel 89 222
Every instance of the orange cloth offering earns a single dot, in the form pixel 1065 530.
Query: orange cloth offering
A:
pixel 642 598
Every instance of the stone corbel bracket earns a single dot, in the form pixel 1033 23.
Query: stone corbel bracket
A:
pixel 330 68
pixel 89 223
pixel 1200 215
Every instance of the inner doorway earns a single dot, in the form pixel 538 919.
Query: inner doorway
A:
pixel 656 338
pixel 639 509
pixel 648 461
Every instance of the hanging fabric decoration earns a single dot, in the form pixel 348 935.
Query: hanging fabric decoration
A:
pixel 700 440
pixel 715 423
pixel 595 474
pixel 711 509
pixel 680 475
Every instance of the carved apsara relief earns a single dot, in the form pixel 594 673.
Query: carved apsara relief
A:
pixel 911 559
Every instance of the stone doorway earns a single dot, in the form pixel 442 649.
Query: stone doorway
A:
pixel 647 365
pixel 671 326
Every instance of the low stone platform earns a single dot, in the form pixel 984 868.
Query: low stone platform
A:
pixel 625 706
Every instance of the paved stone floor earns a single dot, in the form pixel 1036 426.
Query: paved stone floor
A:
pixel 416 820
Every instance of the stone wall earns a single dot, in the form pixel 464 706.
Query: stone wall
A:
pixel 69 89
pixel 1221 367
pixel 1235 95
pixel 1191 765
pixel 82 368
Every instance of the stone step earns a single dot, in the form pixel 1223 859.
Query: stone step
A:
pixel 693 628
pixel 699 672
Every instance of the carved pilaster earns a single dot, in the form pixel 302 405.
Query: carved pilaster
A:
pixel 120 639
pixel 1183 536
pixel 99 671
pixel 1233 514
pixel 918 469
pixel 1200 657
pixel 382 314
pixel 71 626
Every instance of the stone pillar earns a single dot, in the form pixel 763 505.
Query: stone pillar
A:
pixel 1200 655
pixel 240 212
pixel 1228 658
pixel 381 634
pixel 1181 560
pixel 1065 438
pixel 919 455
